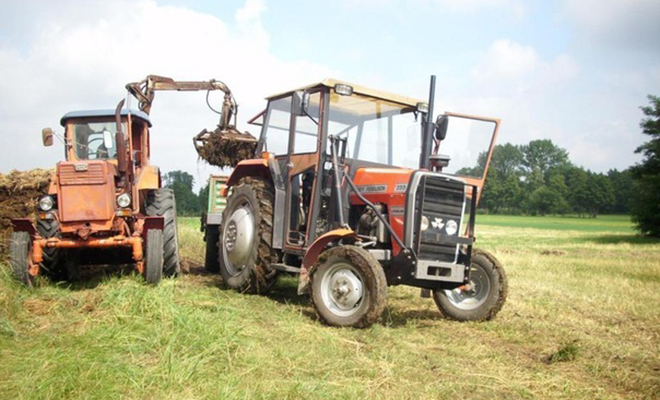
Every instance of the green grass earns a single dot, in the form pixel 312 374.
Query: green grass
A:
pixel 603 223
pixel 581 321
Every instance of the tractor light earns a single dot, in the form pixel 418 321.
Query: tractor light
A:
pixel 423 107
pixel 451 228
pixel 425 223
pixel 344 90
pixel 46 203
pixel 124 200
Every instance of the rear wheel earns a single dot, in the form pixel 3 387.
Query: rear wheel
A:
pixel 247 230
pixel 20 254
pixel 52 265
pixel 153 257
pixel 348 287
pixel 212 237
pixel 482 298
pixel 161 203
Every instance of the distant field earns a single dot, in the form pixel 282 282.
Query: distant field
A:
pixel 603 223
pixel 582 321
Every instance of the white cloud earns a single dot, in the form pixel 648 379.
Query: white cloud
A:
pixel 82 58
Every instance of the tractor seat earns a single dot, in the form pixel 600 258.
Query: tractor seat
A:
pixel 439 161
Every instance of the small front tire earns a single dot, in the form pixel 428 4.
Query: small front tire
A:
pixel 153 257
pixel 482 298
pixel 348 287
pixel 20 254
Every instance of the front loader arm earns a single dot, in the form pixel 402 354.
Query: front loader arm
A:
pixel 145 91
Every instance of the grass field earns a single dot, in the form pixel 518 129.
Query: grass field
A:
pixel 582 321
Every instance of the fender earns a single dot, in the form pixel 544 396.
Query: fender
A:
pixel 315 249
pixel 254 167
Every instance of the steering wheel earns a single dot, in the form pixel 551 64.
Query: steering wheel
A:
pixel 89 148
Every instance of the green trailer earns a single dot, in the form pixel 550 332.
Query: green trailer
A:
pixel 212 219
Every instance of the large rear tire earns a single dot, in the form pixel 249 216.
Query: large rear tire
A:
pixel 246 252
pixel 161 203
pixel 20 252
pixel 349 287
pixel 153 257
pixel 52 265
pixel 484 295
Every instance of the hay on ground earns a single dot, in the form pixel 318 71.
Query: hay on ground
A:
pixel 19 194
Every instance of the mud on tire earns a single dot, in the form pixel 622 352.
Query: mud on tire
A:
pixel 161 203
pixel 254 197
pixel 343 270
pixel 487 271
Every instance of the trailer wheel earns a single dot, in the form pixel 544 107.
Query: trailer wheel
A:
pixel 153 257
pixel 247 231
pixel 212 237
pixel 20 252
pixel 52 263
pixel 348 287
pixel 482 298
pixel 162 203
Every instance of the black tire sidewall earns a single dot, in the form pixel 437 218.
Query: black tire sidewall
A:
pixel 20 246
pixel 485 311
pixel 211 256
pixel 154 256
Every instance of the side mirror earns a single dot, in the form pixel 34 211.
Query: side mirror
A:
pixel 441 125
pixel 47 136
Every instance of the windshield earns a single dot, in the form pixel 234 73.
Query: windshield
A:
pixel 95 140
pixel 377 130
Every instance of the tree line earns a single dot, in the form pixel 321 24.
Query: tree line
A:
pixel 188 203
pixel 538 178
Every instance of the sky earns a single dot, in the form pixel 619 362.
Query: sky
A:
pixel 575 72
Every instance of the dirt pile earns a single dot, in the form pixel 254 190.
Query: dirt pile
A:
pixel 19 194
pixel 225 148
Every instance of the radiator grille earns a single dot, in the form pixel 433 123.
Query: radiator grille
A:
pixel 93 175
pixel 440 200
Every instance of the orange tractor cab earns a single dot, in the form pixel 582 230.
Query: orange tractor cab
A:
pixel 105 204
pixel 355 189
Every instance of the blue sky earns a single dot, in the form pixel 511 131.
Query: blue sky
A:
pixel 574 72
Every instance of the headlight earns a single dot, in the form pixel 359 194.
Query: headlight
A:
pixel 425 223
pixel 124 200
pixel 451 228
pixel 46 203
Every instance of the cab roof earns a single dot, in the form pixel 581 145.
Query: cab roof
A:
pixel 104 113
pixel 329 82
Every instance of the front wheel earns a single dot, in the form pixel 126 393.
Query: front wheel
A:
pixel 153 257
pixel 20 256
pixel 482 298
pixel 348 287
pixel 161 203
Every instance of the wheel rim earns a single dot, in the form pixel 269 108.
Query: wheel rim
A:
pixel 475 293
pixel 343 290
pixel 238 235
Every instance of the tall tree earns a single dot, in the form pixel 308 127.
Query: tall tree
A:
pixel 540 156
pixel 645 205
pixel 181 182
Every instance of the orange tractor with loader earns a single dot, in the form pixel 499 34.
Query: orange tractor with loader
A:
pixel 354 190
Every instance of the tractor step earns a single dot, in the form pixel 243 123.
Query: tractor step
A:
pixel 286 268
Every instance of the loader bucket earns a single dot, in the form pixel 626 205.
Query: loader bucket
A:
pixel 224 148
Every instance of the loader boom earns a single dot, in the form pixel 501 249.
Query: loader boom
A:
pixel 145 91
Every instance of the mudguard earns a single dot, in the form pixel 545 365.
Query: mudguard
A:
pixel 315 249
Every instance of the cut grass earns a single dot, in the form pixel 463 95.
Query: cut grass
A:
pixel 588 297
